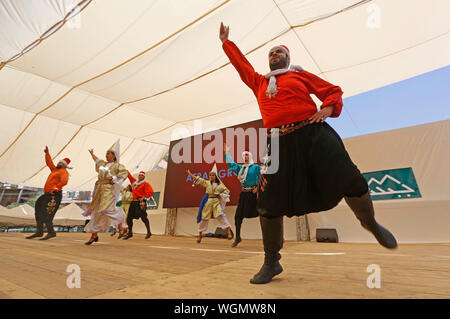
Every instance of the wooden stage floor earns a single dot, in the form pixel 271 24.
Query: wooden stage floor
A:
pixel 165 267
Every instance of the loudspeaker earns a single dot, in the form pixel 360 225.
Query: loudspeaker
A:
pixel 326 235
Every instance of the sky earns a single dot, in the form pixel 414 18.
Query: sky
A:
pixel 418 100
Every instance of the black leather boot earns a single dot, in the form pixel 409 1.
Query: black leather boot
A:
pixel 128 236
pixel 122 234
pixel 147 225
pixel 236 241
pixel 51 231
pixel 238 235
pixel 363 208
pixel 272 231
pixel 39 231
pixel 130 229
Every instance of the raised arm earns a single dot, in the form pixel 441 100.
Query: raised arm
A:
pixel 131 178
pixel 197 179
pixel 98 161
pixel 95 158
pixel 228 159
pixel 191 175
pixel 48 160
pixel 239 61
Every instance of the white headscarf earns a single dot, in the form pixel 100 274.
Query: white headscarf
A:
pixel 242 176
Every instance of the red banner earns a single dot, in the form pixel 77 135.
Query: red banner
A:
pixel 199 153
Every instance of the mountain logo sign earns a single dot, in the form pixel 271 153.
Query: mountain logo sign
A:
pixel 392 184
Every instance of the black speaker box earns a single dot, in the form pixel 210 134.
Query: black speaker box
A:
pixel 326 235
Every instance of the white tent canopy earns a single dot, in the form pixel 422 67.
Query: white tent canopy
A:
pixel 70 215
pixel 139 70
pixel 23 215
pixel 18 216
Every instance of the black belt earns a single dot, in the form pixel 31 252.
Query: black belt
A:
pixel 213 196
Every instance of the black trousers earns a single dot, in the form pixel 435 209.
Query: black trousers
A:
pixel 315 172
pixel 246 209
pixel 135 212
pixel 45 209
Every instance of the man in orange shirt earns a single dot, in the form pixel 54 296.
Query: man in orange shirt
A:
pixel 138 207
pixel 47 204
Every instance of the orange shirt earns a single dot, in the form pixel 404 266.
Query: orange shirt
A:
pixel 58 178
pixel 142 190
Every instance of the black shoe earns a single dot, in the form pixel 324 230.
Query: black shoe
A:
pixel 236 242
pixel 35 235
pixel 91 241
pixel 49 235
pixel 128 236
pixel 382 235
pixel 267 272
pixel 121 235
pixel 113 233
pixel 148 235
pixel 363 208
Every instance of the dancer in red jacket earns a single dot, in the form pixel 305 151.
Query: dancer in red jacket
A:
pixel 315 171
pixel 47 205
pixel 142 190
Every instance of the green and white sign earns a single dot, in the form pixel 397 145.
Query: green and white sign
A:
pixel 153 202
pixel 392 184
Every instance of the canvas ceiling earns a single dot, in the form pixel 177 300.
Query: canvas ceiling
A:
pixel 138 69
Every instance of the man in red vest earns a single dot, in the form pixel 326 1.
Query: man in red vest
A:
pixel 138 207
pixel 47 204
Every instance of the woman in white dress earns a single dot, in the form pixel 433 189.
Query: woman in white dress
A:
pixel 102 209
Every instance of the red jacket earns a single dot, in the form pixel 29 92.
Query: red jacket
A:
pixel 58 177
pixel 292 102
pixel 144 189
